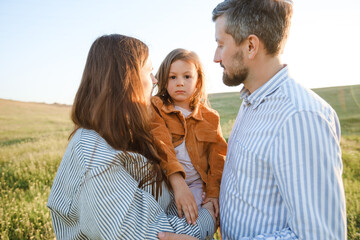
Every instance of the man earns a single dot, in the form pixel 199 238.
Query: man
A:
pixel 282 174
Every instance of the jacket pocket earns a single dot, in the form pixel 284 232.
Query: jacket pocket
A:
pixel 206 135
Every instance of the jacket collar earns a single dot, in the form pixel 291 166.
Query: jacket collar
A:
pixel 257 97
pixel 196 113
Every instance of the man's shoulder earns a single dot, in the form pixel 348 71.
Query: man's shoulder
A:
pixel 303 99
pixel 302 102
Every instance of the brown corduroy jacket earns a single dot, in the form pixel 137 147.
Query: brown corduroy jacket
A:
pixel 203 139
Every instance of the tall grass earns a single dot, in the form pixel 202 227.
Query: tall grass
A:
pixel 33 138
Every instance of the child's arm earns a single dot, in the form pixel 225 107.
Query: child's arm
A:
pixel 184 198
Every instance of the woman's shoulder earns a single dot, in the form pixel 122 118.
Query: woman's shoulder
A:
pixel 89 143
pixel 94 151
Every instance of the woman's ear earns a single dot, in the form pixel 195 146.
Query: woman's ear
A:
pixel 253 46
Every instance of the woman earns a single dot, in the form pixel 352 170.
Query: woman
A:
pixel 109 179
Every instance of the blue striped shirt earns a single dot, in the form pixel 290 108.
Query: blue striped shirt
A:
pixel 95 195
pixel 282 175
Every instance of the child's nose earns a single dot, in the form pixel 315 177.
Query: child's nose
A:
pixel 180 82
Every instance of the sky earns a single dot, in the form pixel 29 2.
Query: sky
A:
pixel 44 44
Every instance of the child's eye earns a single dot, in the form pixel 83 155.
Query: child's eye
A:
pixel 172 77
pixel 187 76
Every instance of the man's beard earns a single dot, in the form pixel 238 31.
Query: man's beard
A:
pixel 240 74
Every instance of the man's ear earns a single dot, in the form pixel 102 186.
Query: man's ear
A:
pixel 253 46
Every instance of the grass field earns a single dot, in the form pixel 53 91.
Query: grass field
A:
pixel 33 138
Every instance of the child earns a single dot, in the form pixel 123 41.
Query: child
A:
pixel 189 133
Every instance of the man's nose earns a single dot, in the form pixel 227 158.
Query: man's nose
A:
pixel 217 58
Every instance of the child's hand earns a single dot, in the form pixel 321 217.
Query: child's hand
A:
pixel 185 202
pixel 214 201
pixel 184 198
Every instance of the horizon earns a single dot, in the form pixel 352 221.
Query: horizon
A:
pixel 69 105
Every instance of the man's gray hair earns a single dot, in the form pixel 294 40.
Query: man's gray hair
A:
pixel 269 20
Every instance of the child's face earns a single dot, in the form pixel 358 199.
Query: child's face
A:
pixel 182 83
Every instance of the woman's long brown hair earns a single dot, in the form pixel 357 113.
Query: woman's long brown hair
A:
pixel 111 101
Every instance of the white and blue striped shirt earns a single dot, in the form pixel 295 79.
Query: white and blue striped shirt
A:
pixel 282 174
pixel 95 195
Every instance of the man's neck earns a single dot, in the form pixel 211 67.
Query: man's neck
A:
pixel 262 71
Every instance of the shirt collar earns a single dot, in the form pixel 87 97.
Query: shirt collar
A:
pixel 257 97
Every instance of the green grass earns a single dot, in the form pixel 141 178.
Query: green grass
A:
pixel 346 101
pixel 33 138
pixel 227 104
